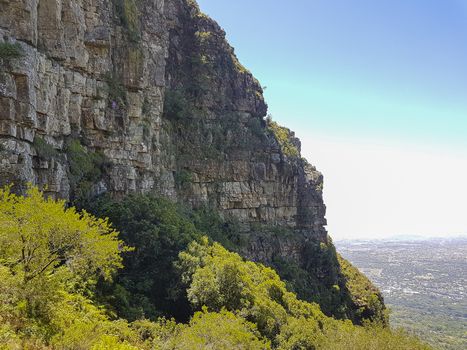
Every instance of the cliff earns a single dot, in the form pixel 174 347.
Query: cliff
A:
pixel 147 96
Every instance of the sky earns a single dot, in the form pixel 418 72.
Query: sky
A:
pixel 377 92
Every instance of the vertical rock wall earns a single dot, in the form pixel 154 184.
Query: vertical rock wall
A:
pixel 97 71
pixel 88 68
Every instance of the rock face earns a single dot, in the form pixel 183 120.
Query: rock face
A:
pixel 99 72
pixel 154 89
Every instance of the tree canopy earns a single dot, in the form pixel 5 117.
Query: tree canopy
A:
pixel 54 261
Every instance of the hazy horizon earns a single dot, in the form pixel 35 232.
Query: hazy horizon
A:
pixel 376 91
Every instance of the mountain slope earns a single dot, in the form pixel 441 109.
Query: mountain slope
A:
pixel 145 96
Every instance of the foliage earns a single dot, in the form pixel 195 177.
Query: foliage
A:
pixel 176 105
pixel 44 149
pixel 345 336
pixel 116 90
pixel 300 333
pixel 218 280
pixel 307 333
pixel 51 258
pixel 9 51
pixel 86 169
pixel 341 292
pixel 321 261
pixel 363 293
pixel 240 68
pixel 127 12
pixel 183 177
pixel 203 35
pixel 227 232
pixel 40 236
pixel 219 330
pixel 47 250
pixel 256 127
pixel 283 137
pixel 159 230
pixel 317 280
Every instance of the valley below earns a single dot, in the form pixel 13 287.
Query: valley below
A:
pixel 424 283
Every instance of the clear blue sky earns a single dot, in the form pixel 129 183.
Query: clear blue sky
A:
pixel 395 68
pixel 377 91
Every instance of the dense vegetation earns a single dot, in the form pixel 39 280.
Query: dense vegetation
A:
pixel 161 229
pixel 63 285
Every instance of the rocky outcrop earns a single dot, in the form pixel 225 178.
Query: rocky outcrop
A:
pixel 145 96
pixel 99 72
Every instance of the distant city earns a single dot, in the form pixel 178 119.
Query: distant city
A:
pixel 424 282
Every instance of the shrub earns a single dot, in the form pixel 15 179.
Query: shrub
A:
pixel 86 169
pixel 256 127
pixel 9 51
pixel 220 279
pixel 219 330
pixel 344 336
pixel 363 294
pixel 44 149
pixel 183 177
pixel 284 138
pixel 115 89
pixel 159 230
pixel 51 258
pixel 224 231
pixel 176 105
pixel 127 12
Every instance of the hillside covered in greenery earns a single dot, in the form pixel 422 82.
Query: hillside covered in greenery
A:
pixel 69 280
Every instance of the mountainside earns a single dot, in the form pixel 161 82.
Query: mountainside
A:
pixel 123 96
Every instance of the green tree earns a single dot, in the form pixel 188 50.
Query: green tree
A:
pixel 217 330
pixel 46 250
pixel 300 333
pixel 219 279
pixel 158 229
